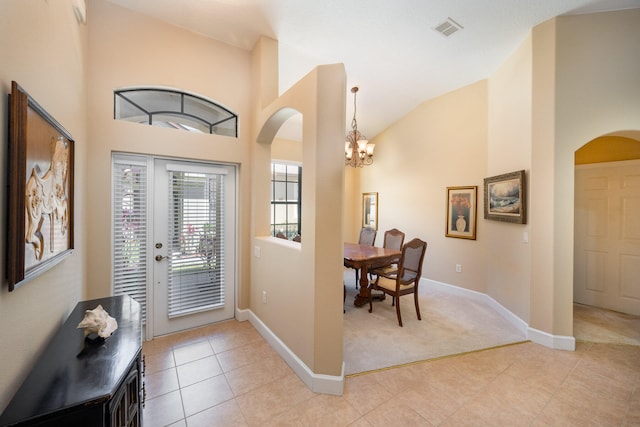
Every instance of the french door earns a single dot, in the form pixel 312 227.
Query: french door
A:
pixel 185 245
pixel 194 230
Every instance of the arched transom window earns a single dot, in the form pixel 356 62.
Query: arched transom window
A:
pixel 174 109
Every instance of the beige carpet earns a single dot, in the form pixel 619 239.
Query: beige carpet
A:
pixel 451 324
pixel 599 325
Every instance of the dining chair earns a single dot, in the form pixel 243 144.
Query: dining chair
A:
pixel 406 279
pixel 367 238
pixel 393 239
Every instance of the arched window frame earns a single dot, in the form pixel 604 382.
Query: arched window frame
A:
pixel 176 104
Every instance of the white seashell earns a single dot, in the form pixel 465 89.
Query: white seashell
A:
pixel 98 321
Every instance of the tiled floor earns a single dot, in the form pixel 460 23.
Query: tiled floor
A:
pixel 227 375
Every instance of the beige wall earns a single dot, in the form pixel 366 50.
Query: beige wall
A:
pixel 303 282
pixel 129 49
pixel 43 48
pixel 597 81
pixel 442 143
pixel 509 150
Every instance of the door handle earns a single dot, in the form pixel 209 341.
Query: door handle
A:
pixel 160 257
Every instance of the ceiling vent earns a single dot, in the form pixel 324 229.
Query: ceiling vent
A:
pixel 448 27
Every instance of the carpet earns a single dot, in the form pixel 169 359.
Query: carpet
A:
pixel 451 324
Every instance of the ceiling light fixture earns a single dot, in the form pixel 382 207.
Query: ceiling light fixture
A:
pixel 357 150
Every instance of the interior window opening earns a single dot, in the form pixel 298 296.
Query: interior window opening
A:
pixel 286 200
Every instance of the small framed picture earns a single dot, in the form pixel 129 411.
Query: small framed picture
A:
pixel 370 210
pixel 461 212
pixel 505 198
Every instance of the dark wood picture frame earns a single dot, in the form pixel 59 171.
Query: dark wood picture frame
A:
pixel 41 164
pixel 462 208
pixel 505 197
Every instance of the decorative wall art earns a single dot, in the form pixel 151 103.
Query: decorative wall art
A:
pixel 370 210
pixel 462 209
pixel 40 218
pixel 505 198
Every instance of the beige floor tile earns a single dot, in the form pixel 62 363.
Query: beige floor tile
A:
pixel 205 394
pixel 577 406
pixel 632 417
pixel 365 393
pixel 198 370
pixel 158 362
pixel 451 383
pixel 226 414
pixel 249 377
pixel 360 422
pixel 237 337
pixel 190 352
pixel 602 380
pixel 624 358
pixel 161 382
pixel 468 416
pixel 230 376
pixel 262 404
pixel 320 410
pixel 245 355
pixel 395 413
pixel 402 378
pixel 430 403
pixel 163 410
pixel 157 345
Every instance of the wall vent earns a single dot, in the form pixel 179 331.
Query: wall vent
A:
pixel 448 27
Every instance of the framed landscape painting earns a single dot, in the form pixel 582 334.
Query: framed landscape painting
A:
pixel 505 198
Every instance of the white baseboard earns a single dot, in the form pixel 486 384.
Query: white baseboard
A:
pixel 319 383
pixel 558 342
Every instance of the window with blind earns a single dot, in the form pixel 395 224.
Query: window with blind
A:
pixel 286 206
pixel 130 207
pixel 196 241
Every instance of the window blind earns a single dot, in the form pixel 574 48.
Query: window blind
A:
pixel 130 225
pixel 196 242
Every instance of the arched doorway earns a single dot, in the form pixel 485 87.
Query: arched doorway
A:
pixel 607 225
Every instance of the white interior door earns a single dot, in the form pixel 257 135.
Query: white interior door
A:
pixel 194 245
pixel 607 236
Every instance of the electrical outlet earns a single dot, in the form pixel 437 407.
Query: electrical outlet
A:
pixel 264 297
pixel 458 268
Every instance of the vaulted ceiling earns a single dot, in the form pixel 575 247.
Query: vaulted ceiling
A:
pixel 391 49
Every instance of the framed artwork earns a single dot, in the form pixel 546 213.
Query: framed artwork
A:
pixel 370 210
pixel 40 217
pixel 462 209
pixel 505 198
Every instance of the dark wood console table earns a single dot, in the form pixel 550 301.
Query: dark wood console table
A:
pixel 77 382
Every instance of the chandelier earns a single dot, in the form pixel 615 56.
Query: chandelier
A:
pixel 357 150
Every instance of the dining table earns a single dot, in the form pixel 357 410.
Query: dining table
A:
pixel 364 258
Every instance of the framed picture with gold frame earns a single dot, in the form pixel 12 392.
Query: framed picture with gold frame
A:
pixel 40 202
pixel 462 208
pixel 370 210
